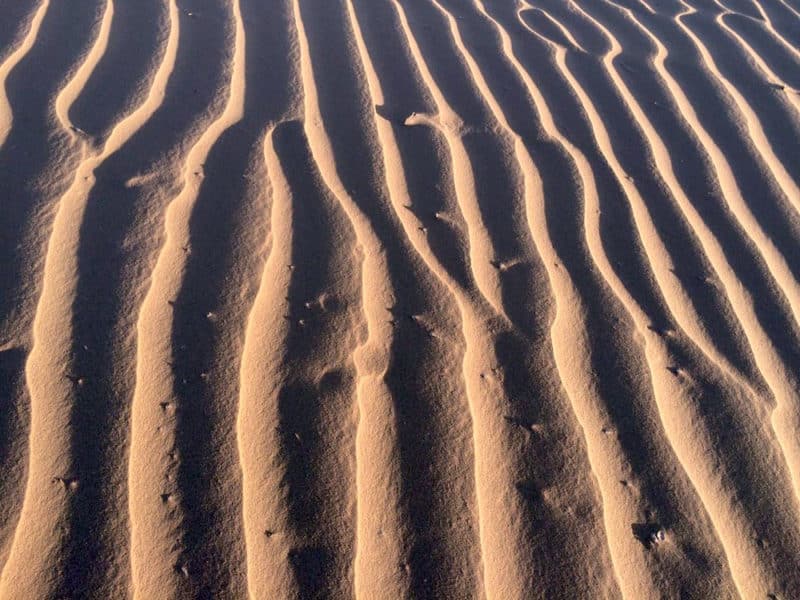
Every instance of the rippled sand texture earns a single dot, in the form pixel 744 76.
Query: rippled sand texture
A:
pixel 399 299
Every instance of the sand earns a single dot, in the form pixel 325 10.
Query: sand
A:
pixel 400 299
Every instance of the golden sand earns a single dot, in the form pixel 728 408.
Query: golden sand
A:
pixel 400 299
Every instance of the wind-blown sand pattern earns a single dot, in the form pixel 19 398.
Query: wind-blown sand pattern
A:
pixel 400 299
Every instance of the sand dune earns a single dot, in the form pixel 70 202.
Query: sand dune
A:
pixel 394 299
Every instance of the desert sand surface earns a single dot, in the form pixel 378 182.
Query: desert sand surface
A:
pixel 395 299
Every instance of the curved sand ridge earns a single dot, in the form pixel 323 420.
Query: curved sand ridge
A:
pixel 400 299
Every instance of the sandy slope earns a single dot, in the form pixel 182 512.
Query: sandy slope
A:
pixel 400 298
